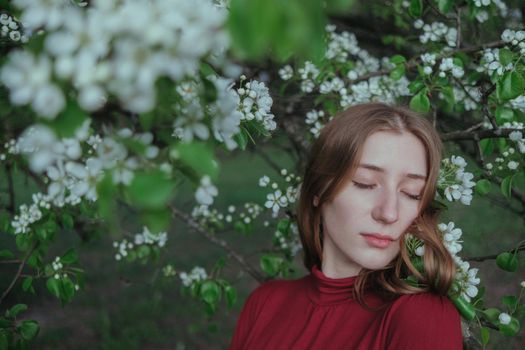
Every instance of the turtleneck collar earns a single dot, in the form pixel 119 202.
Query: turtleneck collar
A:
pixel 324 290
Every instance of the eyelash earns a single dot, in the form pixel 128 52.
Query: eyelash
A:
pixel 364 186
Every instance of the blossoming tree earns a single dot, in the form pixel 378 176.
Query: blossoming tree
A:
pixel 111 104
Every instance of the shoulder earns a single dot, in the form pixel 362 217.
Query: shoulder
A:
pixel 433 318
pixel 276 289
pixel 428 303
pixel 273 292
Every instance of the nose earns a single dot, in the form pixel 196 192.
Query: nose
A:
pixel 386 208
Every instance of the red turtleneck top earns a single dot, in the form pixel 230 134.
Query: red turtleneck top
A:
pixel 318 312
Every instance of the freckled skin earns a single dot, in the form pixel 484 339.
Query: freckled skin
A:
pixel 386 208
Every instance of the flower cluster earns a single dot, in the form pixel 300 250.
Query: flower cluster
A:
pixel 316 120
pixel 451 237
pixel 206 191
pixel 490 63
pixel 256 103
pixel 9 28
pixel 146 237
pixel 454 181
pixel 515 38
pixel 279 198
pixel 466 279
pixel 140 247
pixel 436 32
pixel 308 74
pixel 449 64
pixel 57 266
pixel 28 215
pixel 197 274
pixel 350 62
pixel 100 51
pixel 288 241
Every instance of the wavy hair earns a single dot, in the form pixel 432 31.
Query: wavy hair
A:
pixel 334 157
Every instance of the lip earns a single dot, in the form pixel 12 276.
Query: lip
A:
pixel 377 240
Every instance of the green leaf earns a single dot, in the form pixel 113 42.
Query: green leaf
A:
pixel 107 206
pixel 23 241
pixel 507 261
pixel 397 59
pixel 506 186
pixel 231 295
pixel 505 56
pixel 69 257
pixel 53 286
pixel 143 251
pixel 283 226
pixel 150 189
pixel 416 8
pixel 3 340
pixel 210 292
pixel 445 6
pixel 510 301
pixel 6 254
pixel 465 308
pixel 398 72
pixel 28 329
pixel 485 335
pixel 156 220
pixel 510 329
pixel 15 310
pixel 487 146
pixel 271 264
pixel 511 85
pixel 198 156
pixel 415 86
pixel 420 102
pixel 483 187
pixel 448 93
pixel 68 289
pixel 503 114
pixel 146 120
pixel 27 285
pixel 241 138
pixel 279 28
pixel 69 120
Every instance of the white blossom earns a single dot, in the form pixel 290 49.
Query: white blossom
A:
pixel 206 191
pixel 504 318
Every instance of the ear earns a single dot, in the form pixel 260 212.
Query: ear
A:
pixel 316 201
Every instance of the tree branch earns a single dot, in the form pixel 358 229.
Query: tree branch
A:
pixel 18 272
pixel 493 256
pixel 221 243
pixel 477 135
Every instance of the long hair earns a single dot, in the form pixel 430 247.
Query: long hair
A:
pixel 334 157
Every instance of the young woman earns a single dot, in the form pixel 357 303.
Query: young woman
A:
pixel 369 181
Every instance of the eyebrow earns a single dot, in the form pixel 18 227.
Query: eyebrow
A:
pixel 381 170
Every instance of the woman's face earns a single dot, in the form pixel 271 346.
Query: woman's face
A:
pixel 364 222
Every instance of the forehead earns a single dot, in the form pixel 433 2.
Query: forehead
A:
pixel 394 153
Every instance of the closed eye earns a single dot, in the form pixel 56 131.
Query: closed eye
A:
pixel 414 197
pixel 360 185
pixel 365 186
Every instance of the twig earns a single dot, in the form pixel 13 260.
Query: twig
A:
pixel 477 135
pixel 492 256
pixel 18 272
pixel 212 238
pixel 10 188
pixel 413 63
pixel 458 27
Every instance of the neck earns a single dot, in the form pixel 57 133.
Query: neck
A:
pixel 335 263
